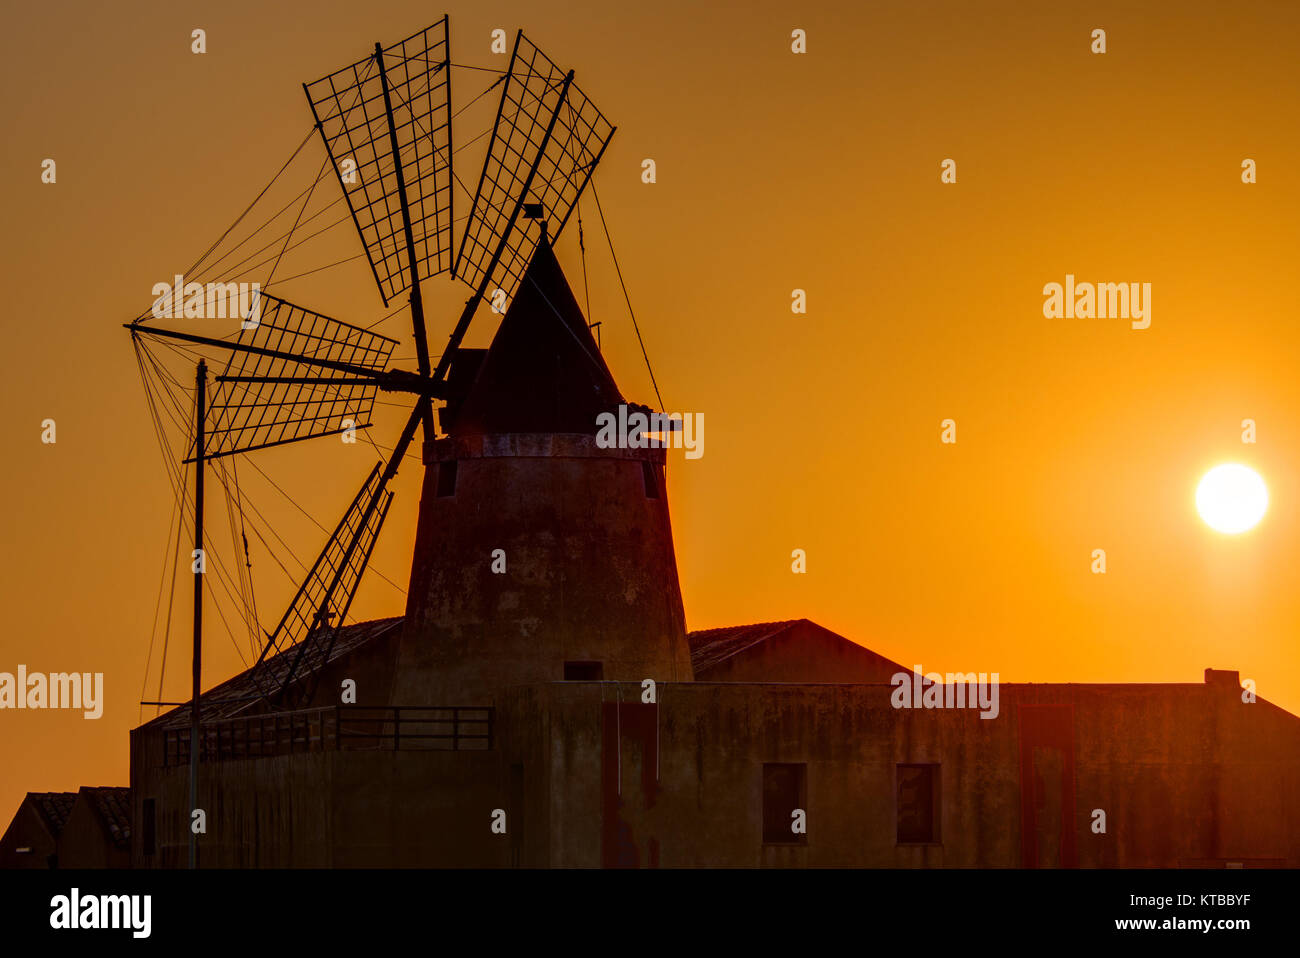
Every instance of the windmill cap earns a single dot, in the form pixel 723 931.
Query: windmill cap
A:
pixel 543 372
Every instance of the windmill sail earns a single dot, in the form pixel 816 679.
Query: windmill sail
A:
pixel 304 638
pixel 293 374
pixel 267 400
pixel 351 107
pixel 547 140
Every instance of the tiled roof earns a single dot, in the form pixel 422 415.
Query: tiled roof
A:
pixel 54 808
pixel 709 647
pixel 113 803
pixel 236 694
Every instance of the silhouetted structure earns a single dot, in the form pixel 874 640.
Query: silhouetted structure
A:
pixel 89 828
pixel 522 692
pixel 32 838
pixel 98 831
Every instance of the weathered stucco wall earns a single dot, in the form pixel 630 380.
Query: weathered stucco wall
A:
pixel 1186 774
pixel 332 809
pixel 590 776
pixel 590 570
pixel 85 842
pixel 27 830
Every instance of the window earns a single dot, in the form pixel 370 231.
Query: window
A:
pixel 583 671
pixel 784 791
pixel 918 804
pixel 149 826
pixel 650 476
pixel 447 479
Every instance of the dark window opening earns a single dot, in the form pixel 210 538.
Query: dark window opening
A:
pixel 918 804
pixel 650 475
pixel 149 826
pixel 584 671
pixel 784 790
pixel 447 479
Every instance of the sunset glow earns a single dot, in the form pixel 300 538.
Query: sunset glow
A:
pixel 826 489
pixel 1232 498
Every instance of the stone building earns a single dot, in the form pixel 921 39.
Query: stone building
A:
pixel 555 712
pixel 32 838
pixel 89 828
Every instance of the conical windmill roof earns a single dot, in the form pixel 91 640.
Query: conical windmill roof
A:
pixel 543 371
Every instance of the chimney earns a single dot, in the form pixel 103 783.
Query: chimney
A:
pixel 1223 677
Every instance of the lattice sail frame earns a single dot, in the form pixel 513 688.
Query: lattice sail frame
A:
pixel 321 364
pixel 305 636
pixel 350 110
pixel 546 142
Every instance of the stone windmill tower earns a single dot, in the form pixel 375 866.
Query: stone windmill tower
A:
pixel 539 555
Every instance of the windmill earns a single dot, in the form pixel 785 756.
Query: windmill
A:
pixel 290 374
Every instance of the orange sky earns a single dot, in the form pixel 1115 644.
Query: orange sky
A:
pixel 775 171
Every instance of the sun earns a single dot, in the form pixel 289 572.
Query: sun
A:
pixel 1231 498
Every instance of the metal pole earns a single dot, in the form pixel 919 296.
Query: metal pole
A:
pixel 238 347
pixel 200 391
pixel 451 172
pixel 417 304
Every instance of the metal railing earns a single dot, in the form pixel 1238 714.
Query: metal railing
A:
pixel 397 727
pixel 338 727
